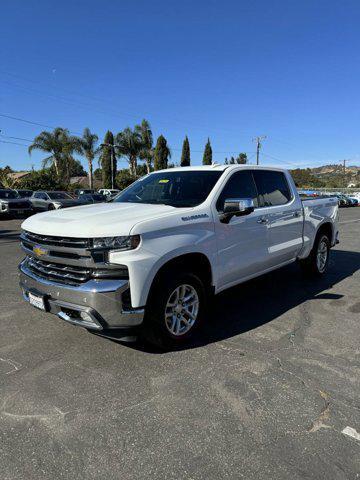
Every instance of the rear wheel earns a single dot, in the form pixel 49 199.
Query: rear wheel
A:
pixel 51 207
pixel 175 310
pixel 317 262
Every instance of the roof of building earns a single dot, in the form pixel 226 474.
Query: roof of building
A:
pixel 18 175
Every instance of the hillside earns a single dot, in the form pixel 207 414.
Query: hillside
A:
pixel 327 176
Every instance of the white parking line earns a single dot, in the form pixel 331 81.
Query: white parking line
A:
pixel 351 432
pixel 350 221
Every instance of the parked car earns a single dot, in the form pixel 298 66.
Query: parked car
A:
pixel 355 201
pixel 47 200
pixel 91 198
pixel 82 191
pixel 108 192
pixel 342 200
pixel 12 204
pixel 352 201
pixel 24 193
pixel 147 263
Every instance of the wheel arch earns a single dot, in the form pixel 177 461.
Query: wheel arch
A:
pixel 196 262
pixel 327 229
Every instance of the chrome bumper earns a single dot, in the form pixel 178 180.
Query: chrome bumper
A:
pixel 96 304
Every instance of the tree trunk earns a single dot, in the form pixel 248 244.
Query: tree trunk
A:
pixel 148 165
pixel 90 173
pixel 56 167
pixel 133 166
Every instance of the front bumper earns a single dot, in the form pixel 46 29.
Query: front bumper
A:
pixel 15 211
pixel 95 304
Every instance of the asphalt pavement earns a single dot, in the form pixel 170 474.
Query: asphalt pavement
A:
pixel 271 392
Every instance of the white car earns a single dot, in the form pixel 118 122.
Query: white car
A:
pixel 108 192
pixel 147 262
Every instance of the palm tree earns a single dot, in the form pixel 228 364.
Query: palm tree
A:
pixel 89 150
pixel 60 144
pixel 50 142
pixel 129 144
pixel 147 151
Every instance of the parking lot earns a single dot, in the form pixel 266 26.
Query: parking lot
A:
pixel 266 394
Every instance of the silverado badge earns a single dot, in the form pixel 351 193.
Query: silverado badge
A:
pixel 39 251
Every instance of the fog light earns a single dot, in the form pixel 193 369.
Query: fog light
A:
pixel 86 317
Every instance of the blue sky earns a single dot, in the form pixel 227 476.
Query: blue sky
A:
pixel 229 70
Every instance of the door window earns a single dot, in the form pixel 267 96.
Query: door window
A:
pixel 272 187
pixel 40 195
pixel 240 185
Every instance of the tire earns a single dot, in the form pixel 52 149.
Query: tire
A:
pixel 168 326
pixel 317 262
pixel 51 207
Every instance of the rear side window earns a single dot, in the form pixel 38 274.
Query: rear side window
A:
pixel 272 187
pixel 240 185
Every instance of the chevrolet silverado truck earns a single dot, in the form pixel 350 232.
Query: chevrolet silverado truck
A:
pixel 148 262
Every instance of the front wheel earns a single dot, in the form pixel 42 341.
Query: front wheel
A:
pixel 175 310
pixel 317 262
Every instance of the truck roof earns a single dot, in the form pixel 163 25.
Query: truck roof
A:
pixel 218 167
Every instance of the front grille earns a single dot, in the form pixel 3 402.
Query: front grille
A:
pixel 13 205
pixel 56 272
pixel 68 242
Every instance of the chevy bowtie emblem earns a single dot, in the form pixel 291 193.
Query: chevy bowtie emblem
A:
pixel 39 251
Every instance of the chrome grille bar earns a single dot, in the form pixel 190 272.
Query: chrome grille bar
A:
pixel 64 273
pixel 69 242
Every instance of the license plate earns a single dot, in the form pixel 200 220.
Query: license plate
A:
pixel 36 301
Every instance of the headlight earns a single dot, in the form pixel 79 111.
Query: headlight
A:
pixel 117 243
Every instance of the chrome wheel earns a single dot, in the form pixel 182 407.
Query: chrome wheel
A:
pixel 322 256
pixel 181 310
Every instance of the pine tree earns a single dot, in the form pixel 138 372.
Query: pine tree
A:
pixel 107 151
pixel 207 158
pixel 185 154
pixel 161 154
pixel 242 158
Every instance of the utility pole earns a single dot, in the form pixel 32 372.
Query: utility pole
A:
pixel 258 140
pixel 344 171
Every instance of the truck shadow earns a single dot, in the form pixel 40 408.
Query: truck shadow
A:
pixel 259 301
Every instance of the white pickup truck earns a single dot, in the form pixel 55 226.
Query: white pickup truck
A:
pixel 148 261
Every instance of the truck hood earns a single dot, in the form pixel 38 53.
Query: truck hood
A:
pixel 98 220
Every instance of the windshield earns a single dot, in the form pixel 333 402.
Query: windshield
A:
pixel 178 189
pixel 8 194
pixel 59 196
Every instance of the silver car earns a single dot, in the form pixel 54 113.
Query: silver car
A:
pixel 47 200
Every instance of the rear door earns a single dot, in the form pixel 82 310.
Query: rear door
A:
pixel 243 242
pixel 284 215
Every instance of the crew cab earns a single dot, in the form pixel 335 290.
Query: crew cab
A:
pixel 147 262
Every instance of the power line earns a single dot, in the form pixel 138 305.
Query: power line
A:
pixel 16 138
pixel 14 143
pixel 32 123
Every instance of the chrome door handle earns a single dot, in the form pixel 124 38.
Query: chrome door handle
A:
pixel 262 220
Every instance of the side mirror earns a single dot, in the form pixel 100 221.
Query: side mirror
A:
pixel 237 207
